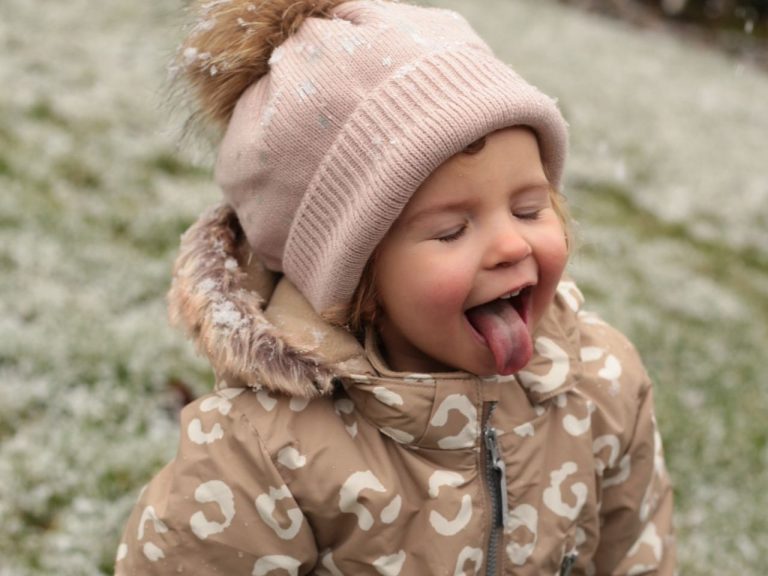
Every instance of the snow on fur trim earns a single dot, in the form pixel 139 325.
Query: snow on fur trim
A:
pixel 229 47
pixel 209 302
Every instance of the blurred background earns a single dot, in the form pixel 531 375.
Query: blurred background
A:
pixel 667 178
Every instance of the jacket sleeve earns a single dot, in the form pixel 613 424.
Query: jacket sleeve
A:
pixel 220 506
pixel 636 533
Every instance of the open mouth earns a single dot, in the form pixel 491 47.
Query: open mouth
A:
pixel 502 325
pixel 519 300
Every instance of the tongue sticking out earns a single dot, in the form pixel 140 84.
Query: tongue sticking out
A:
pixel 505 332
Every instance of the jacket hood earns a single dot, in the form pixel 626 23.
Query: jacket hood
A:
pixel 219 297
pixel 257 329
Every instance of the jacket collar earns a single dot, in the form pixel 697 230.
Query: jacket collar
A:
pixel 257 330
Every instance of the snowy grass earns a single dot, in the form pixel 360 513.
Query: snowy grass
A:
pixel 667 178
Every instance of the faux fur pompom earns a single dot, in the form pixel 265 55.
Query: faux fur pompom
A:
pixel 230 45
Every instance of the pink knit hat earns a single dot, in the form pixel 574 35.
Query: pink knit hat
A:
pixel 323 152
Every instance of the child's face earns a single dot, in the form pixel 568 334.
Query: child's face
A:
pixel 481 227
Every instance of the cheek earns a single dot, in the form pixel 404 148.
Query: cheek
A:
pixel 552 259
pixel 551 249
pixel 442 287
pixel 555 257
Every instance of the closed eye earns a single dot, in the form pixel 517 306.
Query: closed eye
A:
pixel 528 215
pixel 452 235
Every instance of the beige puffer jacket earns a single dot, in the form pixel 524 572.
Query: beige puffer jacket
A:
pixel 313 458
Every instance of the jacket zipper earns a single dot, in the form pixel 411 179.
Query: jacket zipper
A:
pixel 496 482
pixel 568 562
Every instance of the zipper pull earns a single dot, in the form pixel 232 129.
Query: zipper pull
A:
pixel 568 562
pixel 499 474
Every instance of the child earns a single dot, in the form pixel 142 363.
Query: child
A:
pixel 405 384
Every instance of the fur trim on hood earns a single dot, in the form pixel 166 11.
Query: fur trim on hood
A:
pixel 218 298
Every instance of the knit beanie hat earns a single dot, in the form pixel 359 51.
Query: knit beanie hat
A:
pixel 349 107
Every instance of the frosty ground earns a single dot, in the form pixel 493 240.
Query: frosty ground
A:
pixel 667 178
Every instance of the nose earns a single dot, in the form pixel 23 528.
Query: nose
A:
pixel 507 246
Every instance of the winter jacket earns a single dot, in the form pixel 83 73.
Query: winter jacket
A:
pixel 312 457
